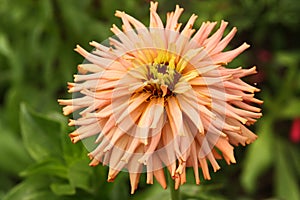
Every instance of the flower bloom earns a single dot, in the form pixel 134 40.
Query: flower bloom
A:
pixel 162 97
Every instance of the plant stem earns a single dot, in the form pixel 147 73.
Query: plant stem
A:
pixel 175 194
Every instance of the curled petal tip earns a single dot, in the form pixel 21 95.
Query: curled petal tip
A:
pixel 60 101
pixel 109 179
pixel 246 45
pixel 217 168
pixel 67 110
pixel 75 139
pixel 71 122
pixel 223 21
pixel 94 163
pixel 90 156
pixel 119 13
pixel 77 47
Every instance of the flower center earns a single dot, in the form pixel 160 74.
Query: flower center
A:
pixel 162 76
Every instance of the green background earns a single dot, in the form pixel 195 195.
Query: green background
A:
pixel 37 38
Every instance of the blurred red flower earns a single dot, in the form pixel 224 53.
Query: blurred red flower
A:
pixel 295 131
pixel 264 55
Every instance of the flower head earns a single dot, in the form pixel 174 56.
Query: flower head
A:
pixel 162 97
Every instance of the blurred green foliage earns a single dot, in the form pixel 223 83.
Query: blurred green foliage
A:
pixel 37 38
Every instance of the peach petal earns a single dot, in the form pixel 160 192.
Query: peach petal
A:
pixel 136 171
pixel 236 138
pixel 191 113
pixel 204 81
pixel 204 167
pixel 194 162
pixel 134 179
pixel 183 177
pixel 228 56
pixel 214 40
pixel 216 154
pixel 84 68
pixel 227 150
pixel 115 135
pixel 155 21
pixel 185 35
pixel 69 109
pixel 94 163
pixel 232 85
pixel 127 125
pixel 102 62
pixel 203 32
pixel 175 17
pixel 177 182
pixel 207 68
pixel 160 177
pixel 245 106
pixel 149 179
pixel 123 38
pixel 213 161
pixel 133 144
pixel 146 120
pixel 93 107
pixel 134 103
pixel 117 153
pixel 244 131
pixel 190 54
pixel 182 87
pixel 244 85
pixel 175 115
pixel 87 131
pixel 224 42
pixel 187 30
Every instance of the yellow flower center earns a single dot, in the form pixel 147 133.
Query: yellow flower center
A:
pixel 162 75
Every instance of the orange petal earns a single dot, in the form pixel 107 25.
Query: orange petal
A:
pixel 160 177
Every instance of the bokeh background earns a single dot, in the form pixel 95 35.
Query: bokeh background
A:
pixel 37 38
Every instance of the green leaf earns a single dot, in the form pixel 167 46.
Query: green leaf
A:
pixel 286 178
pixel 5 48
pixel 288 58
pixel 40 134
pixel 259 156
pixel 120 188
pixel 71 151
pixel 33 188
pixel 62 189
pixel 153 192
pixel 51 166
pixel 192 191
pixel 292 109
pixel 295 155
pixel 12 150
pixel 81 175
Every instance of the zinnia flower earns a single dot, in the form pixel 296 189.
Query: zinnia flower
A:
pixel 162 97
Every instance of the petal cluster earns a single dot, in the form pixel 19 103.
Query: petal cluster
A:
pixel 161 96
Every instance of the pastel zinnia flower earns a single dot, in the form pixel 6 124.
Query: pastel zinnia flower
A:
pixel 162 97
